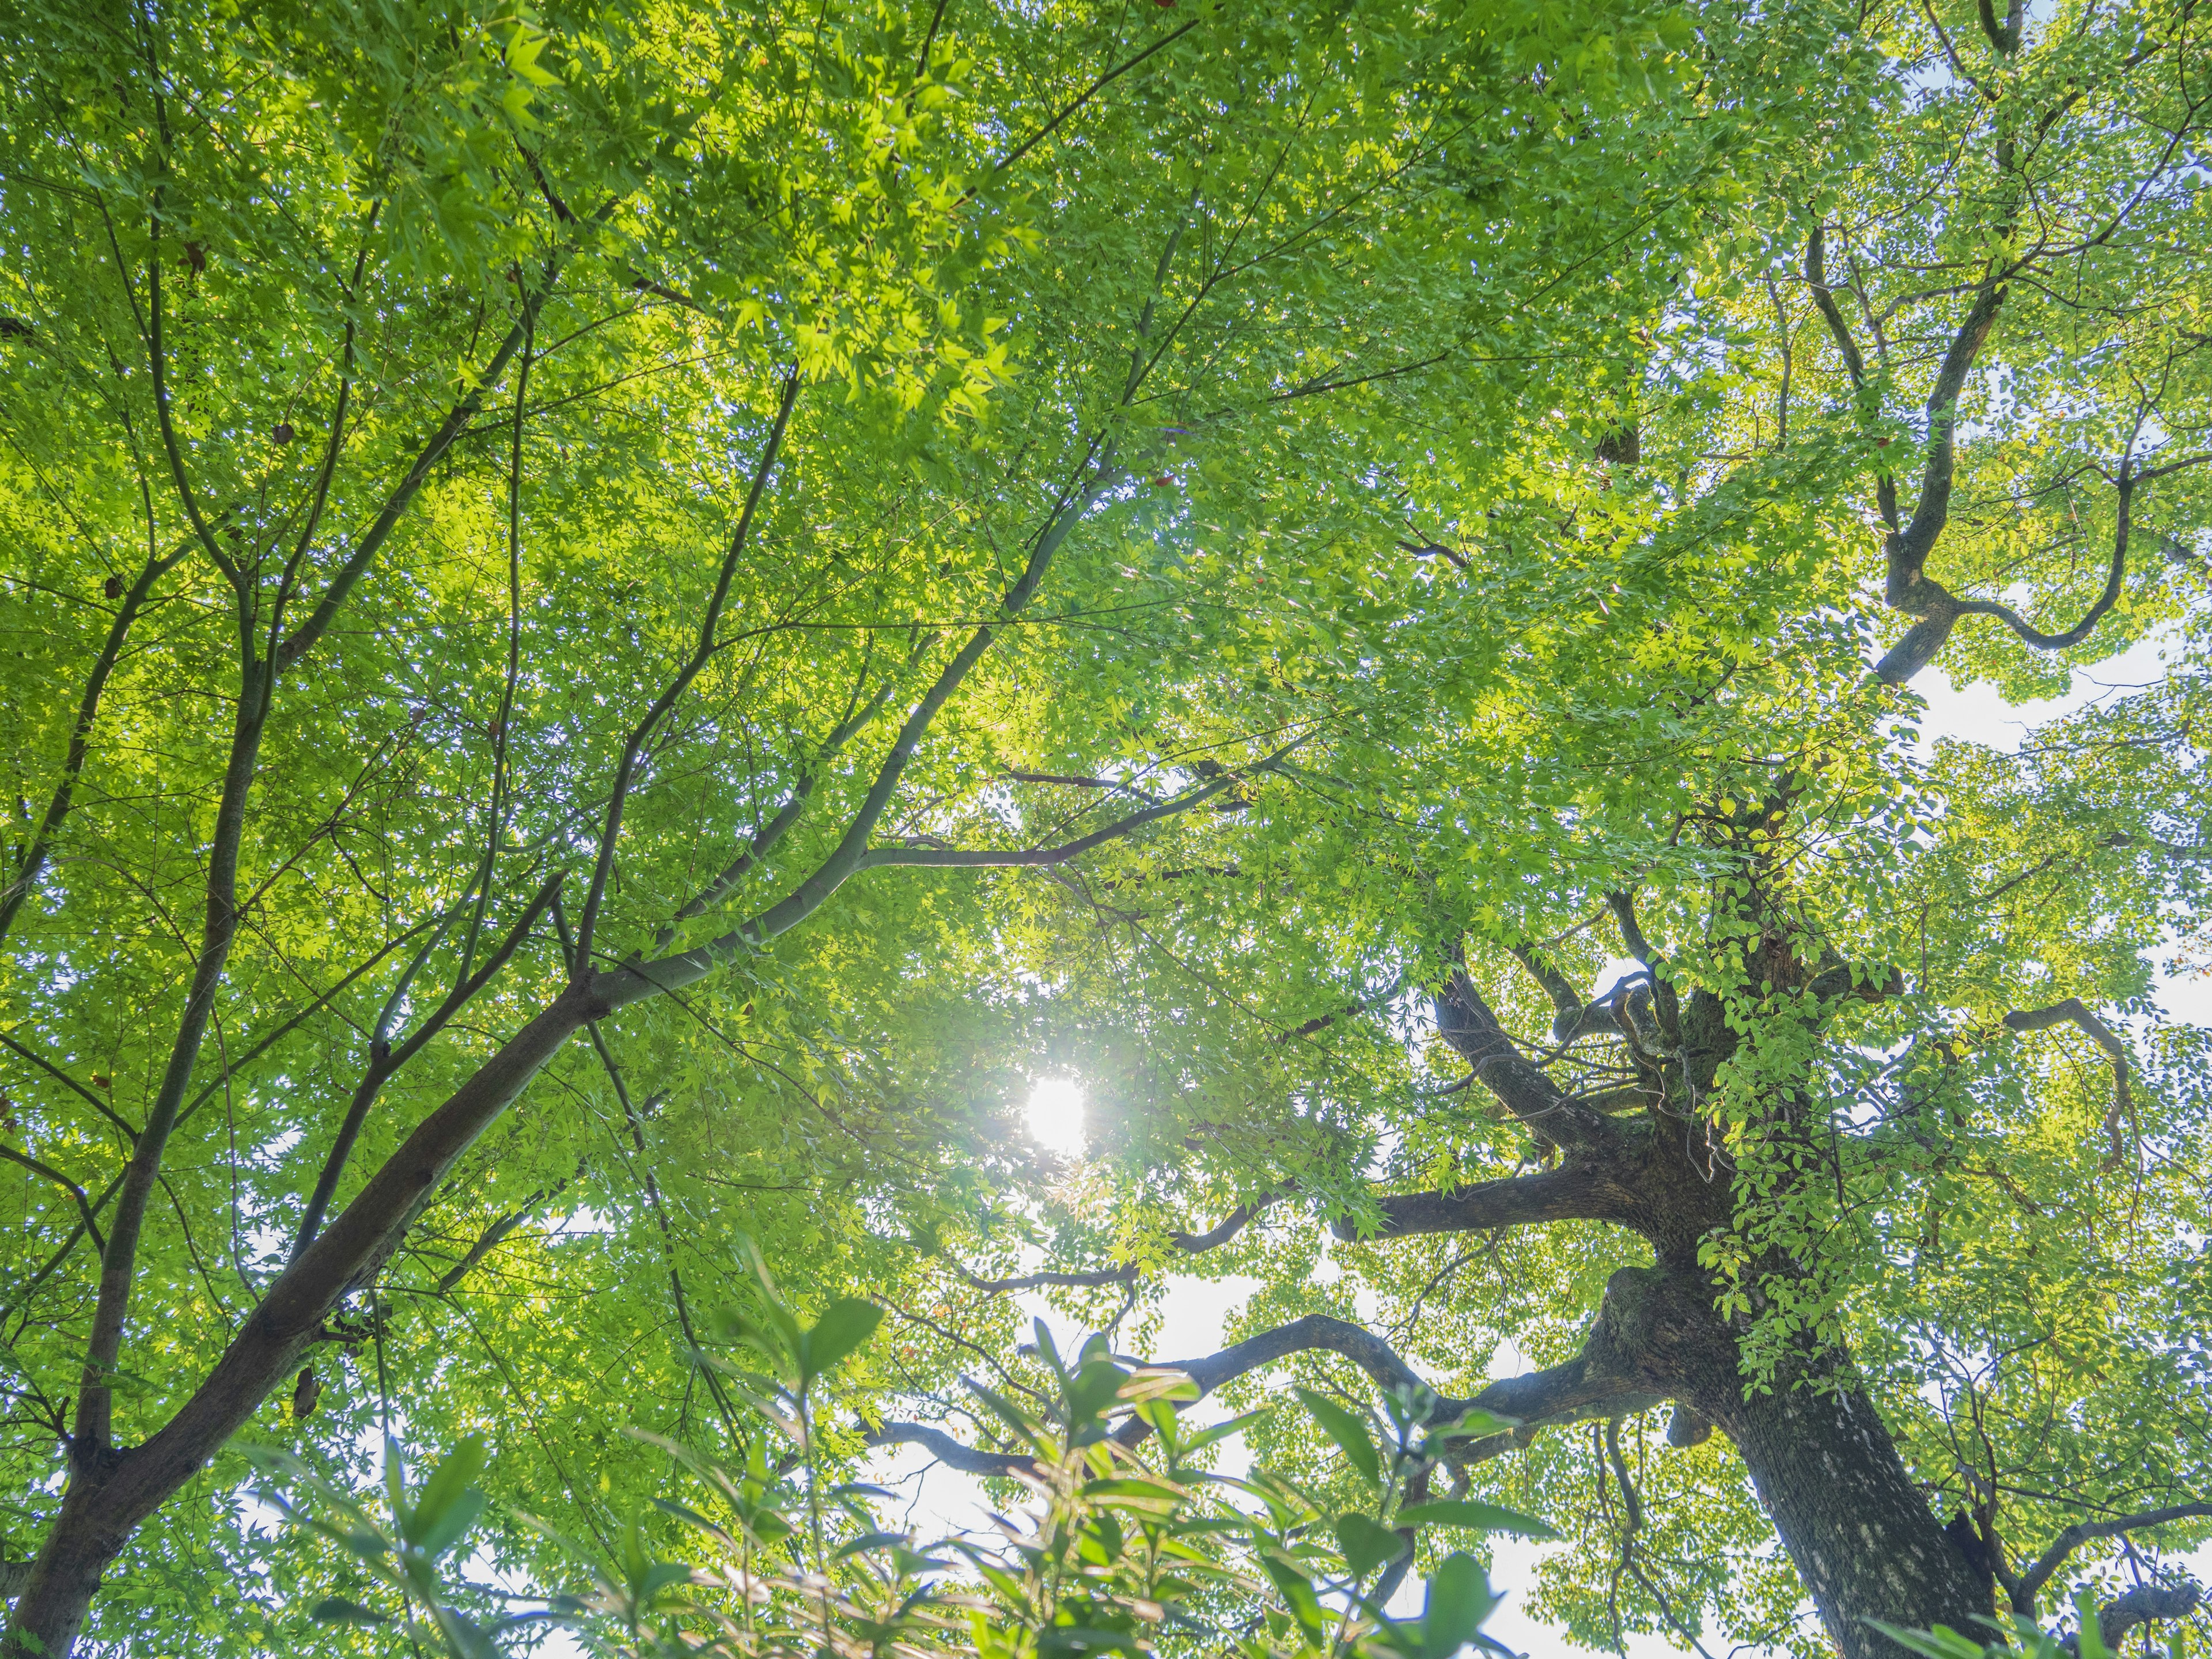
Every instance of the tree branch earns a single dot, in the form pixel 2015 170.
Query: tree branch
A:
pixel 1565 1001
pixel 1465 1021
pixel 1128 1273
pixel 1571 1193
pixel 33 861
pixel 2072 1011
pixel 2032 635
pixel 411 484
pixel 2139 1606
pixel 83 1202
pixel 385 1061
pixel 878 858
pixel 626 768
pixel 2084 1532
pixel 991 1464
pixel 636 982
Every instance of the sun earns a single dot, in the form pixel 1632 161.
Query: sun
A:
pixel 1056 1115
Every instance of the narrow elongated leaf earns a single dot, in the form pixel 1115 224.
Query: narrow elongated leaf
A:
pixel 1474 1515
pixel 1345 1427
pixel 848 1322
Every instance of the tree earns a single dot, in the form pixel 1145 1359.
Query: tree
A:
pixel 1916 1185
pixel 516 513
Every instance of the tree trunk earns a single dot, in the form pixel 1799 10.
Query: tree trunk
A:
pixel 62 1581
pixel 113 1493
pixel 1861 1532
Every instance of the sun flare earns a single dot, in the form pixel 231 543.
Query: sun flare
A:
pixel 1056 1115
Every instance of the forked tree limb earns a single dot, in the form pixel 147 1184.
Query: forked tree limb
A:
pixel 1466 1021
pixel 2084 1532
pixel 2072 1011
pixel 1567 1003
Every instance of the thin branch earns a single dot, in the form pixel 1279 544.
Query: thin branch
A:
pixel 626 769
pixel 83 1203
pixel 1089 92
pixel 385 1061
pixel 1128 1272
pixel 877 857
pixel 64 1078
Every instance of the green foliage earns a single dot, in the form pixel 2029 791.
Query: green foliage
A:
pixel 1228 518
pixel 1128 1545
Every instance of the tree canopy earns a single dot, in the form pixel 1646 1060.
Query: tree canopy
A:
pixel 629 618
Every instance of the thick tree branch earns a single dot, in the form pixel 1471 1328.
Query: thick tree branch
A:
pixel 1598 1382
pixel 1666 1003
pixel 2139 1606
pixel 1566 1002
pixel 1571 1193
pixel 2080 631
pixel 2083 1532
pixel 1593 1384
pixel 1466 1023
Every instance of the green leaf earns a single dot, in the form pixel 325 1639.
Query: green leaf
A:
pixel 452 1524
pixel 1460 1599
pixel 443 1494
pixel 1366 1542
pixel 337 1610
pixel 1350 1433
pixel 844 1326
pixel 1297 1593
pixel 1221 1431
pixel 1475 1516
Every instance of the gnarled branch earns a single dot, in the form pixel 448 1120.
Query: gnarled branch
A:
pixel 2084 1532
pixel 2072 1011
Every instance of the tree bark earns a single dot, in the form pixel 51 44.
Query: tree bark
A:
pixel 113 1493
pixel 1859 1530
